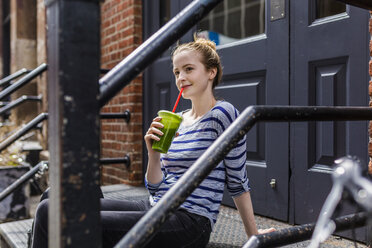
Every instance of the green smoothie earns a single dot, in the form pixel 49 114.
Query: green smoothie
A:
pixel 171 122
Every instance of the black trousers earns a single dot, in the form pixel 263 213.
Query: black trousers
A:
pixel 182 229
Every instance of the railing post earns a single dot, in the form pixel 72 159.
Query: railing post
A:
pixel 74 67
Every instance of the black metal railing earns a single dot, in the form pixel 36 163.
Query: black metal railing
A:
pixel 39 168
pixel 43 165
pixel 19 133
pixel 23 81
pixel 2 104
pixel 34 124
pixel 301 233
pixel 19 101
pixel 146 227
pixel 125 115
pixel 17 74
pixel 124 160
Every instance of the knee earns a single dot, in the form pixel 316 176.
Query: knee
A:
pixel 42 211
pixel 45 195
pixel 40 227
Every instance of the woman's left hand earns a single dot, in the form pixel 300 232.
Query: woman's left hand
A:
pixel 268 230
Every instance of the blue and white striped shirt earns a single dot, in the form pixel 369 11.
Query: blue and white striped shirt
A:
pixel 192 142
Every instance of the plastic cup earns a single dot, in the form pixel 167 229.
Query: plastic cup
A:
pixel 171 122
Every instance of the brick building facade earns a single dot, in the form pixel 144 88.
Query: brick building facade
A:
pixel 121 29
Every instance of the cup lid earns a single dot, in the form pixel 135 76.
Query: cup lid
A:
pixel 170 114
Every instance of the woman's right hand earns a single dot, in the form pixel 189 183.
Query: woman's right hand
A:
pixel 267 230
pixel 153 133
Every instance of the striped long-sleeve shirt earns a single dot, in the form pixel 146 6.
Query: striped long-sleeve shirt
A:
pixel 192 142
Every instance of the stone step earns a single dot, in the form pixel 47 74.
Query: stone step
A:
pixel 14 234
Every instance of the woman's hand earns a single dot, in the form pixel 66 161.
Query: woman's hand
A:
pixel 268 230
pixel 153 133
pixel 153 174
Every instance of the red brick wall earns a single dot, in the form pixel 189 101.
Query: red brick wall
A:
pixel 121 33
pixel 370 94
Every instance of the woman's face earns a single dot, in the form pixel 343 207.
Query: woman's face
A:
pixel 191 74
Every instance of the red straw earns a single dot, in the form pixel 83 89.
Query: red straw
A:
pixel 178 99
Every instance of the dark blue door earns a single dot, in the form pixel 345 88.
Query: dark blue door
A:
pixel 329 59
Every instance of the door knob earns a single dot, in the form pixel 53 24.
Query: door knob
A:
pixel 273 183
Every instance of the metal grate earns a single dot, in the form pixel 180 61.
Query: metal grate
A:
pixel 228 232
pixel 122 191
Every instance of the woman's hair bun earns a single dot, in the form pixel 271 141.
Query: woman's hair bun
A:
pixel 205 42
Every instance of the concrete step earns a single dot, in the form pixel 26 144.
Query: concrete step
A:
pixel 228 231
pixel 14 234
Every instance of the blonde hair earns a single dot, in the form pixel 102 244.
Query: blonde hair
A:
pixel 207 50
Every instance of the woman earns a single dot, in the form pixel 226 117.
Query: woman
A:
pixel 197 69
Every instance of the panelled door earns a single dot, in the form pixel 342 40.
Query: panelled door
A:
pixel 314 54
pixel 329 60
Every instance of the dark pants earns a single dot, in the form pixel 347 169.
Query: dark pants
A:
pixel 182 229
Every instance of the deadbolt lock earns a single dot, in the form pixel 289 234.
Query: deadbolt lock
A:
pixel 273 183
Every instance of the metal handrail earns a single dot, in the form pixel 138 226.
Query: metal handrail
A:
pixel 39 168
pixel 145 54
pixel 146 227
pixel 23 81
pixel 19 101
pixel 297 234
pixel 2 104
pixel 19 133
pixel 125 115
pixel 124 160
pixel 43 165
pixel 13 76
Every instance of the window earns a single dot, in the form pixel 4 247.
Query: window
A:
pixel 326 8
pixel 164 12
pixel 233 20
